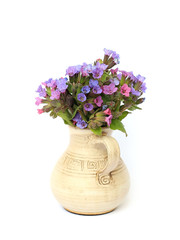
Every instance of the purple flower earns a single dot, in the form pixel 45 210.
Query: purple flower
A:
pixel 119 76
pixel 98 101
pixel 55 94
pixel 77 118
pixel 84 70
pixel 88 107
pixel 112 54
pixel 97 90
pixel 61 84
pixel 78 68
pixel 98 70
pixel 101 66
pixel 140 78
pixel 115 81
pixel 47 82
pixel 129 75
pixel 104 107
pixel 81 97
pixel 107 52
pixel 109 89
pixel 143 87
pixel 134 92
pixel 97 73
pixel 71 71
pixel 51 83
pixel 41 91
pixel 85 89
pixel 81 124
pixel 116 57
pixel 89 68
pixel 93 83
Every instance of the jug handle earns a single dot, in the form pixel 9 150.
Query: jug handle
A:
pixel 104 175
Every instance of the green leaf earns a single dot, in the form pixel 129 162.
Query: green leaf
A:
pixel 116 124
pixel 106 98
pixel 134 108
pixel 48 90
pixel 75 111
pixel 97 131
pixel 104 76
pixel 70 87
pixel 123 115
pixel 65 116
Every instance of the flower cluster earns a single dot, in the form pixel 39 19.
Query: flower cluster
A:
pixel 93 95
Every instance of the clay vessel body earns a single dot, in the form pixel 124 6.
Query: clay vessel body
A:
pixel 90 177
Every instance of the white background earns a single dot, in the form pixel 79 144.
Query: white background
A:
pixel 39 40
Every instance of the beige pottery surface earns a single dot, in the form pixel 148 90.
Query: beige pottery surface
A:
pixel 90 177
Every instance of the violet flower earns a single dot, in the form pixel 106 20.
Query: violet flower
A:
pixel 93 83
pixel 85 89
pixel 143 87
pixel 71 71
pixel 115 81
pixel 88 107
pixel 81 97
pixel 47 82
pixel 97 90
pixel 81 124
pixel 104 107
pixel 61 84
pixel 51 83
pixel 98 69
pixel 77 117
pixel 112 54
pixel 134 92
pixel 41 91
pixel 55 94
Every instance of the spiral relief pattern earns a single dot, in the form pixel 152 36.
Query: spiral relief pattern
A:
pixel 104 179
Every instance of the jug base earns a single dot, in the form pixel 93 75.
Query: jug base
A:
pixel 89 214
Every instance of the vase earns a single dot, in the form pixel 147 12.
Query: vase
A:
pixel 90 177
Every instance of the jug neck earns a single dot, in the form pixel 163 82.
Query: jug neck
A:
pixel 81 136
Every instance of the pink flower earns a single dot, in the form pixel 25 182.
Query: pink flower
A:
pixel 109 89
pixel 113 71
pixel 107 111
pixel 98 101
pixel 40 111
pixel 125 90
pixel 108 120
pixel 38 101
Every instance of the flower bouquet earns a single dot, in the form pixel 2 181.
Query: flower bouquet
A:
pixel 93 96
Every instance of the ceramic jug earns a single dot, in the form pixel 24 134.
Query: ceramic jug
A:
pixel 90 177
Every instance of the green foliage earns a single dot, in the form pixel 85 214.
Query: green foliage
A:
pixel 116 124
pixel 75 111
pixel 134 107
pixel 66 117
pixel 123 115
pixel 97 131
pixel 48 90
